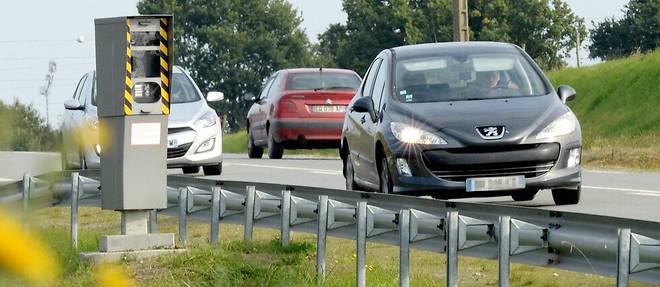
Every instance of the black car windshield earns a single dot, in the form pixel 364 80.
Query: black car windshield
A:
pixel 466 76
pixel 183 90
pixel 322 81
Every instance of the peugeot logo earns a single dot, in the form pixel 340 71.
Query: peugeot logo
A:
pixel 491 132
pixel 328 101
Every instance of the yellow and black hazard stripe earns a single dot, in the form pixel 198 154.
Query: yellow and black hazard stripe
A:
pixel 164 67
pixel 128 93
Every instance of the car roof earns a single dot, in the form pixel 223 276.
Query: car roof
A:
pixel 451 47
pixel 315 70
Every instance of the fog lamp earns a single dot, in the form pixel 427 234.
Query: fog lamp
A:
pixel 402 167
pixel 573 158
pixel 206 146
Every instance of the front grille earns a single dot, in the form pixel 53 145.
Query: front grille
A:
pixel 178 130
pixel 461 163
pixel 178 151
pixel 528 169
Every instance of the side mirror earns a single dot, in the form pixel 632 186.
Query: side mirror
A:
pixel 566 93
pixel 72 105
pixel 215 96
pixel 362 105
pixel 249 97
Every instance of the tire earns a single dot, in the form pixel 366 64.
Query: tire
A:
pixel 253 150
pixel 349 174
pixel 566 196
pixel 213 169
pixel 275 149
pixel 524 195
pixel 190 169
pixel 385 177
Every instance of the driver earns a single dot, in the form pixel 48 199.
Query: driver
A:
pixel 493 80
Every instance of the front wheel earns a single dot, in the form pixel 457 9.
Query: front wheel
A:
pixel 253 150
pixel 385 177
pixel 563 196
pixel 213 169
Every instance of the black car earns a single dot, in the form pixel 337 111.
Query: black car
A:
pixel 472 119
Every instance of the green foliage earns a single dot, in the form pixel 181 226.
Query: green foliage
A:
pixel 233 45
pixel 544 28
pixel 24 130
pixel 638 31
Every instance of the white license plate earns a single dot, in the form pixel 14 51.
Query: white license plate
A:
pixel 328 108
pixel 495 183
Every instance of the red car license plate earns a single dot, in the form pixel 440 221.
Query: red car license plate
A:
pixel 328 108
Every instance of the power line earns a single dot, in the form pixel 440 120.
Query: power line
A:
pixel 42 66
pixel 46 58
pixel 64 40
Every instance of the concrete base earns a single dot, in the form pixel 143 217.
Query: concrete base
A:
pixel 147 241
pixel 101 257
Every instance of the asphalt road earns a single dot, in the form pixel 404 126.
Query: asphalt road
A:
pixel 619 194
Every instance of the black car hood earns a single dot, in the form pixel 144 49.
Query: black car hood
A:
pixel 457 121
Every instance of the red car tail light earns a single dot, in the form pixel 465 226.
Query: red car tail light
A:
pixel 287 106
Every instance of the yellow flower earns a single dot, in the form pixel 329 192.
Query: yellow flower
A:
pixel 24 255
pixel 112 276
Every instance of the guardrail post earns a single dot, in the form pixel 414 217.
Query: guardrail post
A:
pixel 286 217
pixel 320 238
pixel 215 215
pixel 504 250
pixel 404 247
pixel 183 215
pixel 452 248
pixel 75 192
pixel 361 249
pixel 26 197
pixel 249 213
pixel 623 258
pixel 153 221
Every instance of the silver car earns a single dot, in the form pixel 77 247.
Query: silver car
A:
pixel 194 129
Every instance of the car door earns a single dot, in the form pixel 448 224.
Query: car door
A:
pixel 371 124
pixel 361 141
pixel 258 120
pixel 71 145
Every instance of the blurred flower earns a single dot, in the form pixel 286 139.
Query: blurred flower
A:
pixel 108 275
pixel 24 255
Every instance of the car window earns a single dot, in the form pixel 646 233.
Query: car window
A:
pixel 320 80
pixel 379 84
pixel 94 90
pixel 264 92
pixel 86 90
pixel 276 86
pixel 183 89
pixel 369 79
pixel 466 76
pixel 81 83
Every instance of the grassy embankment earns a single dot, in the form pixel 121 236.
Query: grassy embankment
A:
pixel 264 263
pixel 618 105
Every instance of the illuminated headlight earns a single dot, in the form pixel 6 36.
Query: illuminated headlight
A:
pixel 573 158
pixel 97 149
pixel 412 135
pixel 207 120
pixel 563 125
pixel 206 146
pixel 402 167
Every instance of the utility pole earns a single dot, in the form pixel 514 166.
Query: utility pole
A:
pixel 577 45
pixel 461 27
pixel 45 89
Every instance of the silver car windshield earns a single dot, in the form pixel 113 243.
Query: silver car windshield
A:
pixel 183 90
pixel 461 77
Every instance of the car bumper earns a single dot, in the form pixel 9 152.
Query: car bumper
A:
pixel 185 154
pixel 542 168
pixel 296 129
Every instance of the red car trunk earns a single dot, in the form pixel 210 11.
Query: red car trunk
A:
pixel 322 104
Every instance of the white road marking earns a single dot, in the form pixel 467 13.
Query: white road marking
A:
pixel 646 194
pixel 324 171
pixel 623 189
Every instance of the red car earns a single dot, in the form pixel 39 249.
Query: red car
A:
pixel 300 108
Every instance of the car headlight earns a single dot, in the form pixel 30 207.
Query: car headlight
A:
pixel 563 125
pixel 412 135
pixel 207 120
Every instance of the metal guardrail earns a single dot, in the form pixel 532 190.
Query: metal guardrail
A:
pixel 626 248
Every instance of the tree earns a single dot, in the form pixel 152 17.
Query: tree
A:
pixel 638 31
pixel 233 45
pixel 544 28
pixel 24 129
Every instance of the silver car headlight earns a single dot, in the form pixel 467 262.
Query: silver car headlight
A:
pixel 207 120
pixel 563 125
pixel 413 135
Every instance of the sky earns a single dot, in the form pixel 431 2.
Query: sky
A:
pixel 49 32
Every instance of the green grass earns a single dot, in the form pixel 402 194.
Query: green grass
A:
pixel 618 105
pixel 264 262
pixel 237 143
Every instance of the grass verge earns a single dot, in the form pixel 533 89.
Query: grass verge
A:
pixel 265 263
